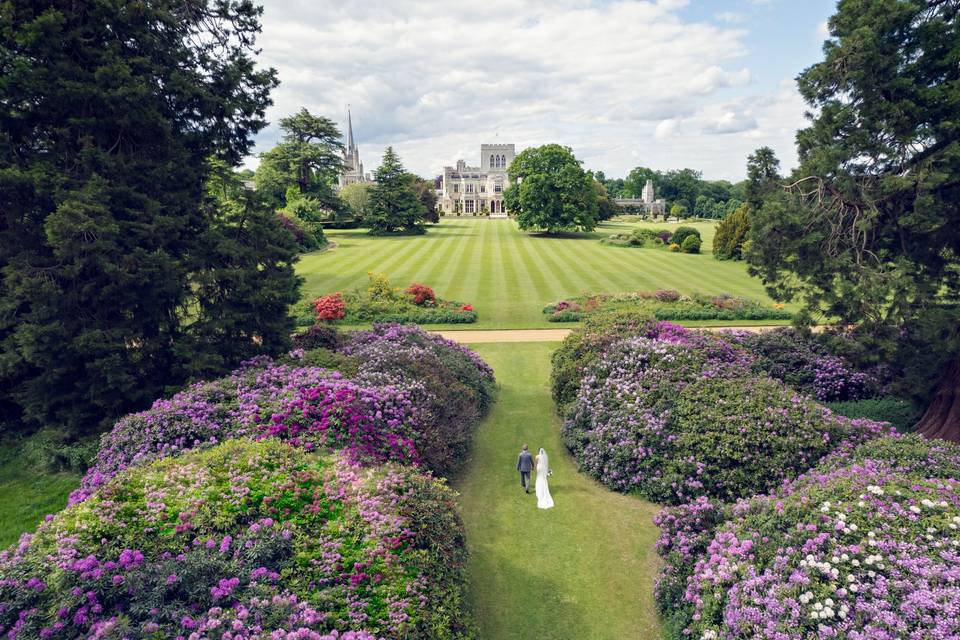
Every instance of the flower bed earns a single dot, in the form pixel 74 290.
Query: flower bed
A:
pixel 659 238
pixel 671 416
pixel 866 545
pixel 664 305
pixel 380 302
pixel 244 540
pixel 386 413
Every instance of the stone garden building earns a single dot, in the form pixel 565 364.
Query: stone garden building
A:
pixel 473 191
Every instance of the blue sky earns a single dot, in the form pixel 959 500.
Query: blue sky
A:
pixel 660 83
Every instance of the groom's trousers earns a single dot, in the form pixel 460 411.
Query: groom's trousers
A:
pixel 525 480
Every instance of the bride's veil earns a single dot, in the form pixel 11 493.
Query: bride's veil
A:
pixel 543 459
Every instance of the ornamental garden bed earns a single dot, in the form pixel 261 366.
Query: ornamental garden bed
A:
pixel 788 520
pixel 293 498
pixel 681 239
pixel 379 301
pixel 665 304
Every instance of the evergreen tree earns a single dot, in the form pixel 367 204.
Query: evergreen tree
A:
pixel 106 234
pixel 731 234
pixel 763 175
pixel 308 157
pixel 869 232
pixel 394 205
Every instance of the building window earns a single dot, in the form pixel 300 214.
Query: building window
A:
pixel 491 160
pixel 497 188
pixel 469 204
pixel 456 188
pixel 470 187
pixel 483 188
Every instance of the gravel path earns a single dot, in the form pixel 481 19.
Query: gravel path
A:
pixel 549 335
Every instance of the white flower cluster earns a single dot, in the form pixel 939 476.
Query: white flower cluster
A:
pixel 824 567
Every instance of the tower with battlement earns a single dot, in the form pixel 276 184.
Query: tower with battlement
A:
pixel 477 191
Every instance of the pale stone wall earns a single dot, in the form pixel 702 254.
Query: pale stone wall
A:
pixel 472 191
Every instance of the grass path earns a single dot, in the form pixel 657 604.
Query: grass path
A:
pixel 509 275
pixel 584 569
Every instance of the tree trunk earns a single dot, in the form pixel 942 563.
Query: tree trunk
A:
pixel 942 418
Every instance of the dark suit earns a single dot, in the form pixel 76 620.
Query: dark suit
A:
pixel 525 466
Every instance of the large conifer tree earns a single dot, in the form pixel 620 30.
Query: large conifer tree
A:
pixel 113 260
pixel 868 231
pixel 394 205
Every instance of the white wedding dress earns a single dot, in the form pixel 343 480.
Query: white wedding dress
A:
pixel 544 500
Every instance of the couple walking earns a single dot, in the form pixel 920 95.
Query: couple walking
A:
pixel 527 463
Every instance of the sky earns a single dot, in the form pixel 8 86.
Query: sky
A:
pixel 665 84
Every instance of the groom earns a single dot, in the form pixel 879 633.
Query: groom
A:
pixel 525 466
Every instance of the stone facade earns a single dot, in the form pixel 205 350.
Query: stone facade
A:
pixel 352 167
pixel 473 191
pixel 655 207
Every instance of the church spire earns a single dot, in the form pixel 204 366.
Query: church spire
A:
pixel 349 131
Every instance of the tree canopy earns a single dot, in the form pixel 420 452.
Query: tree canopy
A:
pixel 867 231
pixel 550 191
pixel 120 274
pixel 395 207
pixel 309 156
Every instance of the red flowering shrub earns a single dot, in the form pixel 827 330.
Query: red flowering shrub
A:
pixel 330 307
pixel 466 307
pixel 422 294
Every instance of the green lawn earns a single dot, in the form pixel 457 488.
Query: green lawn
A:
pixel 28 494
pixel 509 276
pixel 584 569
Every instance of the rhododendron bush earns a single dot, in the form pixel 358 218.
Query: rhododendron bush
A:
pixel 671 415
pixel 385 413
pixel 866 545
pixel 244 540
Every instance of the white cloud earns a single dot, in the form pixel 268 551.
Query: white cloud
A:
pixel 823 30
pixel 731 17
pixel 435 79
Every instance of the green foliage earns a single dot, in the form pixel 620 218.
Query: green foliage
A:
pixel 550 191
pixel 327 359
pixel 606 209
pixel 320 336
pixel 731 235
pixel 120 273
pixel 357 198
pixel 427 193
pixel 758 422
pixel 690 244
pixel 379 301
pixel 665 304
pixel 868 234
pixel 394 205
pixel 54 451
pixel 682 233
pixel 763 175
pixel 307 159
pixel 901 413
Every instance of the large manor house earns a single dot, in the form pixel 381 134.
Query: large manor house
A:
pixel 475 191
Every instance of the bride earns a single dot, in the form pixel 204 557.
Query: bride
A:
pixel 542 465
